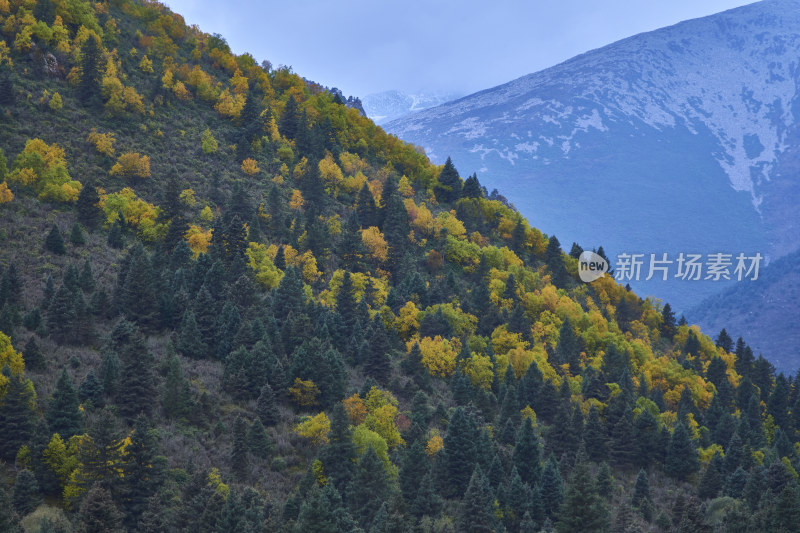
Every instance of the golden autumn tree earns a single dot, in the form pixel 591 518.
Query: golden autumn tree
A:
pixel 250 167
pixel 42 167
pixel 103 142
pixel 132 165
pixel 375 243
pixel 315 429
pixel 5 193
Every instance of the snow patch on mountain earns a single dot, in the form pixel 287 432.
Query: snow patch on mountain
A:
pixel 734 75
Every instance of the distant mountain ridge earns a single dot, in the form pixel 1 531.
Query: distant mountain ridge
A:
pixel 677 140
pixel 386 106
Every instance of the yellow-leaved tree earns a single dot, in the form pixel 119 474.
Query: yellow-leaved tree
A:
pixel 375 243
pixel 315 429
pixel 43 168
pixel 250 167
pixel 5 193
pixel 103 142
pixel 132 165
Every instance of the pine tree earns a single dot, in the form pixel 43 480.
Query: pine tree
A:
pixel 552 488
pixel 143 470
pixel 527 455
pixel 555 262
pixel 472 188
pixel 448 188
pixel 91 390
pixel 668 327
pixel 414 467
pixel 7 95
pixel 368 489
pixel 258 441
pixel 289 123
pixel 266 409
pixel 724 341
pixel 116 237
pixel 323 511
pixel 98 514
pixel 239 461
pixel 89 86
pixel 63 414
pixel 137 381
pixel 87 207
pixel 9 519
pixel 458 454
pixel 32 354
pixel 339 456
pixel 76 235
pixel 17 411
pixel 176 396
pixel 190 340
pixel 425 500
pixel 26 496
pixel 377 364
pixel 681 460
pixel 712 480
pixel 477 506
pixel 568 347
pixel 641 489
pixel 583 510
pixel 55 242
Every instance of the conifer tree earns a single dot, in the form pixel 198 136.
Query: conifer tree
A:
pixel 17 411
pixel 368 489
pixel 555 262
pixel 137 381
pixel 26 496
pixel 681 459
pixel 668 326
pixel 116 237
pixel 98 514
pixel 176 396
pixel 63 414
pixel 449 187
pixel 87 207
pixel 91 390
pixel 76 235
pixel 258 441
pixel 266 409
pixel 54 242
pixel 641 489
pixel 32 354
pixel 239 461
pixel 582 509
pixel 527 454
pixel 477 506
pixel 459 454
pixel 89 86
pixel 552 488
pixel 339 456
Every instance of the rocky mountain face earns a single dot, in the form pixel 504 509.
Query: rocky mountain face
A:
pixel 683 139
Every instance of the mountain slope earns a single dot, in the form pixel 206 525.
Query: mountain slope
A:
pixel 763 313
pixel 677 140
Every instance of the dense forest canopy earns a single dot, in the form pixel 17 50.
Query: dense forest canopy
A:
pixel 230 302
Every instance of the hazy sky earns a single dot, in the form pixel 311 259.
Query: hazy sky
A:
pixel 365 46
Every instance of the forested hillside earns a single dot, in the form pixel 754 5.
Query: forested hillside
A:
pixel 229 302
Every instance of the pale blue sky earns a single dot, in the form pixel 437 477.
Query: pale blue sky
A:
pixel 365 46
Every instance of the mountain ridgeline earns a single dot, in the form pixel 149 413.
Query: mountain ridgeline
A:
pixel 230 302
pixel 683 139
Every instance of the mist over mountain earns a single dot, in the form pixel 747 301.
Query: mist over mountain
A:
pixel 386 106
pixel 677 140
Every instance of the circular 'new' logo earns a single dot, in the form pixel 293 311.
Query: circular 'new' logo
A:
pixel 591 266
